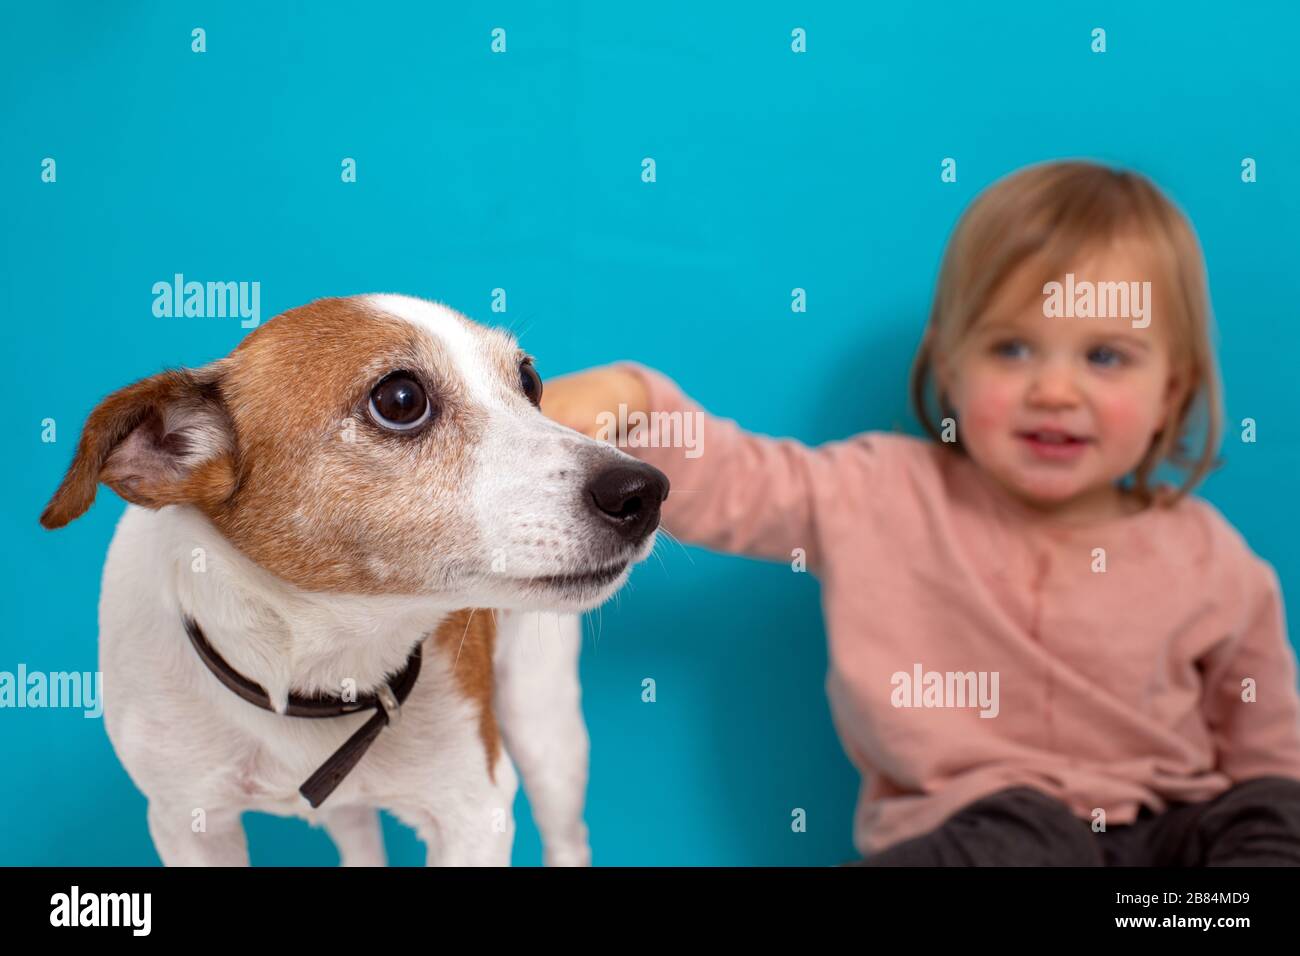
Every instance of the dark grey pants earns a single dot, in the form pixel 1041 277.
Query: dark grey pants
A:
pixel 1255 823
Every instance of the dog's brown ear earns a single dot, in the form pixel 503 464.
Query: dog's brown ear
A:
pixel 167 439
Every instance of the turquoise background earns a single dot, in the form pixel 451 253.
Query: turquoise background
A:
pixel 522 171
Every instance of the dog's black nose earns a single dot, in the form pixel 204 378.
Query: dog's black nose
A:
pixel 627 497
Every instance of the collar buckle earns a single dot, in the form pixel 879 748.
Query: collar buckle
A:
pixel 388 700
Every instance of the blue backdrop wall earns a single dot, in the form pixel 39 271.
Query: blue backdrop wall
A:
pixel 521 170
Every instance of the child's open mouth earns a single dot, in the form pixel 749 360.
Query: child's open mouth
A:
pixel 1053 444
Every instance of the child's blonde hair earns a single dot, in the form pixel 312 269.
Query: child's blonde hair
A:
pixel 1050 213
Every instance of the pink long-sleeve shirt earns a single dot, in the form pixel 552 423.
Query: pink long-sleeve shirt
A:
pixel 1140 660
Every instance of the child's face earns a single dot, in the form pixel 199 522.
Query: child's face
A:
pixel 1058 409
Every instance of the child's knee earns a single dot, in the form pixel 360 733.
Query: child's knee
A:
pixel 1281 793
pixel 1035 828
pixel 1255 823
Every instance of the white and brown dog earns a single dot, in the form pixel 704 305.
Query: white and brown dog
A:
pixel 312 518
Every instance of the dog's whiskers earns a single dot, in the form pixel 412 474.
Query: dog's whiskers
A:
pixel 673 538
pixel 468 621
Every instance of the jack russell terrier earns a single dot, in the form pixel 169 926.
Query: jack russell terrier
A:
pixel 285 620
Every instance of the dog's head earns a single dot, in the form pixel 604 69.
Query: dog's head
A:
pixel 378 445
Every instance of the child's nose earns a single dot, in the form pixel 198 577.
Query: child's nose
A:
pixel 1054 385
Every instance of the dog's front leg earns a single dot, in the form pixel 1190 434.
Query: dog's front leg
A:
pixel 538 703
pixel 197 836
pixel 463 848
pixel 476 832
pixel 357 834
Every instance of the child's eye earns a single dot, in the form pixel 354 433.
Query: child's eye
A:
pixel 1010 348
pixel 1106 357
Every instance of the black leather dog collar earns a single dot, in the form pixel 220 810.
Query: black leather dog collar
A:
pixel 385 702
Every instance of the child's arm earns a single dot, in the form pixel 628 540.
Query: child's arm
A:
pixel 731 490
pixel 1260 738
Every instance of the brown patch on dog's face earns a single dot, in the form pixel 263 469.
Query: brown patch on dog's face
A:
pixel 327 499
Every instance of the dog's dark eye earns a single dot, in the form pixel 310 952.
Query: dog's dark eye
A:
pixel 531 381
pixel 398 402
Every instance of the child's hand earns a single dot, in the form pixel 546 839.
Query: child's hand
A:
pixel 576 400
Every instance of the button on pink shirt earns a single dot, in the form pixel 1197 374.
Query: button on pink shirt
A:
pixel 1115 688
